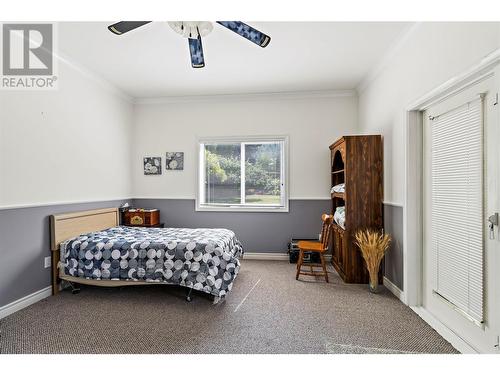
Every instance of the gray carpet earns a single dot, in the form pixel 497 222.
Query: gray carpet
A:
pixel 266 312
pixel 356 349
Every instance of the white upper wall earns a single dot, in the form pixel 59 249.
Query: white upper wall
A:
pixel 431 54
pixel 312 123
pixel 74 144
pixel 67 145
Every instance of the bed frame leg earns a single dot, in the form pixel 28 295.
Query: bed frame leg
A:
pixel 55 272
pixel 75 288
pixel 188 295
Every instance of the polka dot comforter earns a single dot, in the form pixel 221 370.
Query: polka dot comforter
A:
pixel 203 259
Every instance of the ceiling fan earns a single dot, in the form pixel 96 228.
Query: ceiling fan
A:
pixel 194 30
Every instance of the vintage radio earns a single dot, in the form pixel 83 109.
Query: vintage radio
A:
pixel 143 217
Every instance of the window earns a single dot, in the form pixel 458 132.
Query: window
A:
pixel 242 174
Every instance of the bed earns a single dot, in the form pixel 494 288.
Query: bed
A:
pixel 90 248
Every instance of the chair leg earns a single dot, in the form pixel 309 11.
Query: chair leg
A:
pixel 299 263
pixel 324 266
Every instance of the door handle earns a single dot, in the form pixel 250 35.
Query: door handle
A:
pixel 493 220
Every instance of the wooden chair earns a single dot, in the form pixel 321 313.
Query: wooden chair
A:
pixel 317 247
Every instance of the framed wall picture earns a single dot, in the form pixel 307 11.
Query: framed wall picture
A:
pixel 175 161
pixel 152 165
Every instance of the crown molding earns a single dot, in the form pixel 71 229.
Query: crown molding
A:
pixel 388 57
pixel 475 73
pixel 250 96
pixel 87 73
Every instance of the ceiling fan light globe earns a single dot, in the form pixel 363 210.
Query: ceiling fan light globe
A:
pixel 191 29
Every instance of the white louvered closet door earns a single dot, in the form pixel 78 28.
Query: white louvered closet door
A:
pixel 460 195
pixel 456 206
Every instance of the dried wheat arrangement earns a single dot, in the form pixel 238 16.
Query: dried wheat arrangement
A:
pixel 373 246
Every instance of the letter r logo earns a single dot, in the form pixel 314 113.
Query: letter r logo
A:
pixel 27 49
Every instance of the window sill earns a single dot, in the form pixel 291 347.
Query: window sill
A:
pixel 240 209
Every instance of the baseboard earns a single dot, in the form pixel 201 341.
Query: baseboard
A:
pixel 273 256
pixel 394 289
pixel 21 303
pixel 265 256
pixel 456 341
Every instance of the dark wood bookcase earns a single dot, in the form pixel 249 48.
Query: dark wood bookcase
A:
pixel 356 161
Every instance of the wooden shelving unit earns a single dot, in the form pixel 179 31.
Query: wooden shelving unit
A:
pixel 338 195
pixel 356 161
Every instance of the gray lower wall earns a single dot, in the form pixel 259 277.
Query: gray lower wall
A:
pixel 264 232
pixel 260 232
pixel 25 239
pixel 25 242
pixel 393 225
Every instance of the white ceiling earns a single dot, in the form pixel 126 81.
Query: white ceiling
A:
pixel 153 61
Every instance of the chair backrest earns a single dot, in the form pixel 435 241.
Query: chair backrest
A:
pixel 326 230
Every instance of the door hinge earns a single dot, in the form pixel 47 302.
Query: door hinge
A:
pixel 496 99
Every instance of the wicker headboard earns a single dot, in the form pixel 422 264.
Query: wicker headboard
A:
pixel 65 226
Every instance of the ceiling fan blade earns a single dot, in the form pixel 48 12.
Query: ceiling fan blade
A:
pixel 126 26
pixel 247 32
pixel 196 51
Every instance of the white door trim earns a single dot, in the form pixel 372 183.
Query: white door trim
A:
pixel 412 210
pixel 448 334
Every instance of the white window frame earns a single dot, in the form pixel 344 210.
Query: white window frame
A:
pixel 283 207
